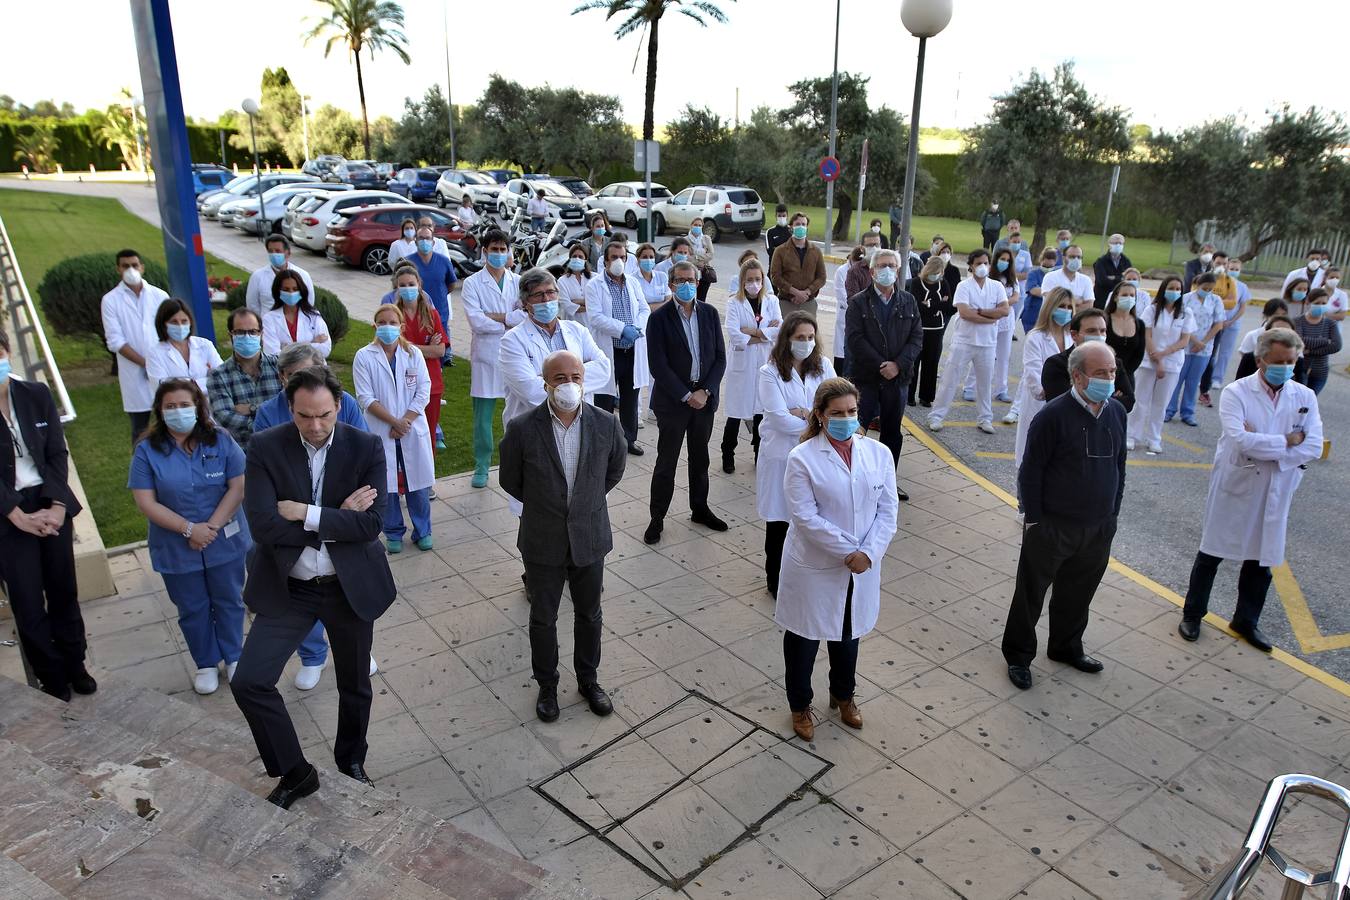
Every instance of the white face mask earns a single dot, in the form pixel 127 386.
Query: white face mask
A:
pixel 131 277
pixel 567 396
pixel 752 288
pixel 782 221
pixel 1314 265
pixel 802 349
pixel 946 257
pixel 982 270
pixel 1333 282
pixel 1206 258
pixel 876 229
pixel 617 267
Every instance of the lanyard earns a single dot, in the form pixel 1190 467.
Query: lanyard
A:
pixel 314 484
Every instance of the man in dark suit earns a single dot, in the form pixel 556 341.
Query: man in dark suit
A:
pixel 1109 269
pixel 314 494
pixel 687 358
pixel 560 460
pixel 1086 326
pixel 1198 266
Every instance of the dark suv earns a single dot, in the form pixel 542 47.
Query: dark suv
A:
pixel 418 185
pixel 359 175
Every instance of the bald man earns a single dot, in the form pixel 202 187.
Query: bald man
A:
pixel 1108 270
pixel 559 460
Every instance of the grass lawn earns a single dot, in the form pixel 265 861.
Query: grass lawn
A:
pixel 46 228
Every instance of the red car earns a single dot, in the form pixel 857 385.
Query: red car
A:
pixel 362 237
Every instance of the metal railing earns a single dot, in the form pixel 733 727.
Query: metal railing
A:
pixel 1234 879
pixel 30 354
pixel 1276 258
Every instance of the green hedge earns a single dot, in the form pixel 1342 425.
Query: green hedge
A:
pixel 79 147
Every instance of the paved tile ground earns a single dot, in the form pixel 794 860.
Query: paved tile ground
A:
pixel 1138 782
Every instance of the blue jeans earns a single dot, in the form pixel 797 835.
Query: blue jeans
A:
pixel 419 510
pixel 314 649
pixel 210 611
pixel 1188 388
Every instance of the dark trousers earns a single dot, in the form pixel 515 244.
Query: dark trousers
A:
pixel 1071 556
pixel 990 238
pixel 39 576
pixel 1253 585
pixel 841 366
pixel 1207 376
pixel 924 382
pixel 627 401
pixel 775 533
pixel 884 400
pixel 139 422
pixel 272 641
pixel 799 654
pixel 731 434
pixel 681 425
pixel 543 588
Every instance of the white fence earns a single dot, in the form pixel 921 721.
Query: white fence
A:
pixel 1275 258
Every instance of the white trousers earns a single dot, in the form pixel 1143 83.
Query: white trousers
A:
pixel 999 374
pixel 981 361
pixel 1152 390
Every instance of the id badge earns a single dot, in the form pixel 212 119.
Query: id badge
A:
pixel 231 529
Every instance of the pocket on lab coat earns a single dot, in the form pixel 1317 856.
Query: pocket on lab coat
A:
pixel 1240 477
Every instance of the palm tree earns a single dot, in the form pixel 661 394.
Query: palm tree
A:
pixel 648 13
pixel 373 24
pixel 38 146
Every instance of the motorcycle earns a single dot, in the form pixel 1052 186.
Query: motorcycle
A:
pixel 466 253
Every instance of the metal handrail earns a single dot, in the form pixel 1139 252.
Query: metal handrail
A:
pixel 36 360
pixel 1238 874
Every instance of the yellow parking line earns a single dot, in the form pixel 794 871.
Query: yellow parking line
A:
pixel 1143 463
pixel 1186 445
pixel 1301 619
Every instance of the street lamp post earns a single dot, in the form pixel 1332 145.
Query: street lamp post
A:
pixel 834 132
pixel 923 19
pixel 304 122
pixel 251 107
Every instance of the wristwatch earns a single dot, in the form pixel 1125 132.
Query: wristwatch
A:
pixel 187 532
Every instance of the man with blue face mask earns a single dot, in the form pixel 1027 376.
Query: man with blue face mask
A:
pixel 258 294
pixel 1271 429
pixel 491 300
pixel 1070 483
pixel 245 381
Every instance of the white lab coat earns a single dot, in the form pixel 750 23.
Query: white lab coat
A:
pixel 482 295
pixel 166 362
pixel 1166 329
pixel 521 361
pixel 840 310
pixel 405 387
pixel 276 335
pixel 571 295
pixel 734 283
pixel 606 328
pixel 834 511
pixel 656 291
pixel 1255 472
pixel 1039 346
pixel 740 390
pixel 258 295
pixel 780 431
pixel 129 320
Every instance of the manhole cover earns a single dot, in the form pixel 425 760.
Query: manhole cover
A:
pixel 684 787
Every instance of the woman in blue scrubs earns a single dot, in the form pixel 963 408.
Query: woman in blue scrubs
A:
pixel 187 477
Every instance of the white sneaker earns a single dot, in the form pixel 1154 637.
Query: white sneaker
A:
pixel 986 427
pixel 308 676
pixel 1010 418
pixel 229 670
pixel 373 667
pixel 934 426
pixel 1129 443
pixel 1155 449
pixel 206 681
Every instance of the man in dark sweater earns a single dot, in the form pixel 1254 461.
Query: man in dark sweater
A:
pixel 1071 482
pixel 1108 270
pixel 1086 326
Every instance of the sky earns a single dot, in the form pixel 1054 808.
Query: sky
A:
pixel 1128 54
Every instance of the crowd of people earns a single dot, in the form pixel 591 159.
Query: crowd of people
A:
pixel 267 486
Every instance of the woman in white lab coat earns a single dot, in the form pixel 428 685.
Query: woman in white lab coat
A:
pixel 572 285
pixel 842 500
pixel 1048 337
pixel 734 284
pixel 1168 327
pixel 293 318
pixel 1256 470
pixel 179 353
pixel 393 388
pixel 620 332
pixel 752 319
pixel 787 385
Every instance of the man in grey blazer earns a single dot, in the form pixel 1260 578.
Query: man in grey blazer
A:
pixel 560 460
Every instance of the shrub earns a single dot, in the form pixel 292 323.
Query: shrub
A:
pixel 332 309
pixel 71 291
pixel 234 297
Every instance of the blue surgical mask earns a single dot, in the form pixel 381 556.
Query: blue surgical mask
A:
pixel 4 369
pixel 1073 263
pixel 1099 389
pixel 545 312
pixel 885 276
pixel 842 429
pixel 1235 274
pixel 1015 248
pixel 1125 303
pixel 180 420
pixel 178 332
pixel 686 291
pixel 1202 293
pixel 246 345
pixel 1299 295
pixel 1064 245
pixel 277 259
pixel 290 298
pixel 1116 249
pixel 646 265
pixel 409 234
pixel 1277 375
pixel 1062 316
pixel 799 232
pixel 1317 309
pixel 386 334
pixel 409 294
pixel 696 231
pixel 498 260
pixel 1171 295
pixel 576 264
pixel 680 257
pixel 424 246
pixel 1001 265
pixel 598 231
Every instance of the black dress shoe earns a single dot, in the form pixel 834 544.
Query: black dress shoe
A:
pixel 1020 676
pixel 901 495
pixel 546 707
pixel 1253 635
pixel 597 698
pixel 58 689
pixel 653 532
pixel 926 404
pixel 357 772
pixel 729 464
pixel 82 682
pixel 1082 662
pixel 635 450
pixel 1189 629
pixel 706 518
pixel 284 796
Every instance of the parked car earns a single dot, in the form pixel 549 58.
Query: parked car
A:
pixel 246 216
pixel 501 176
pixel 361 237
pixel 387 170
pixel 455 183
pixel 357 174
pixel 418 185
pixel 321 165
pixel 537 176
pixel 228 186
pixel 309 222
pixel 626 201
pixel 561 203
pixel 209 177
pixel 246 188
pixel 723 208
pixel 578 186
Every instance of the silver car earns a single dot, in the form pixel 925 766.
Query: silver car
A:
pixel 309 227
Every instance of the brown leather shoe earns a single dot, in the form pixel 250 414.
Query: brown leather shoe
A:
pixel 802 724
pixel 848 712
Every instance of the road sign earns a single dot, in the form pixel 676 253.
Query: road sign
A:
pixel 829 169
pixel 645 152
pixel 862 170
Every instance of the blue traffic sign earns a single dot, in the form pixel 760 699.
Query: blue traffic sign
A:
pixel 829 168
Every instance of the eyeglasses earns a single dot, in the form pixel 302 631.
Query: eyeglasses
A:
pixel 544 295
pixel 250 332
pixel 685 281
pixel 1099 446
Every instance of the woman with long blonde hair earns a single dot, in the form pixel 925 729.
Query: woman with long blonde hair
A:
pixel 753 320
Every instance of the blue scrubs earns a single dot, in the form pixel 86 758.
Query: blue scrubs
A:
pixel 206 585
